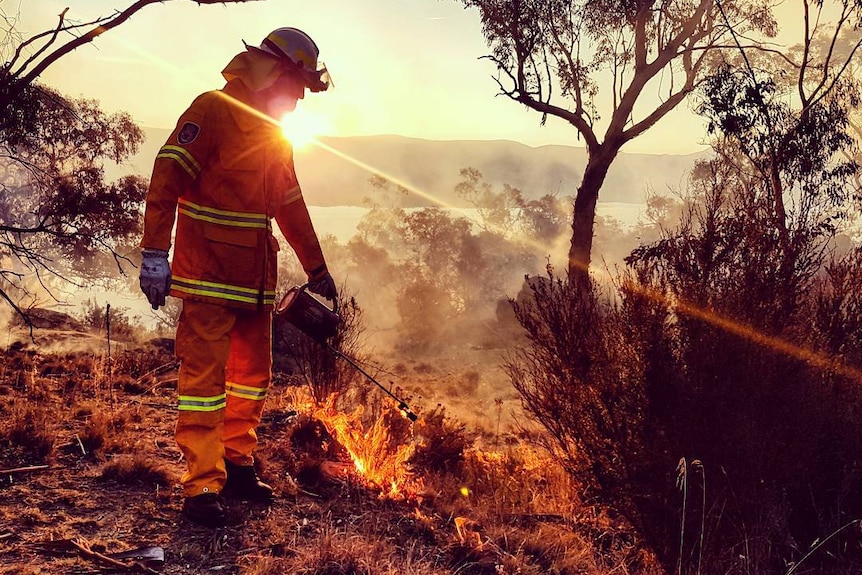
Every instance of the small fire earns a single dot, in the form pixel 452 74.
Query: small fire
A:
pixel 468 532
pixel 378 457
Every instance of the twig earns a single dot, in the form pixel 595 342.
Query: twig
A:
pixel 158 385
pixel 6 535
pixel 23 469
pixel 153 372
pixel 159 405
pixel 81 444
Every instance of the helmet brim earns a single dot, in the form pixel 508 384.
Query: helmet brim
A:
pixel 316 81
pixel 261 51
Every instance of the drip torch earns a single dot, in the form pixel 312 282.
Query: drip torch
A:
pixel 320 322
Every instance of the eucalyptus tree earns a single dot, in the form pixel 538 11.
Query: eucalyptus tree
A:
pixel 749 312
pixel 715 340
pixel 611 69
pixel 27 58
pixel 58 214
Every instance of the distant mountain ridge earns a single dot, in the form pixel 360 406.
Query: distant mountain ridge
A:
pixel 433 166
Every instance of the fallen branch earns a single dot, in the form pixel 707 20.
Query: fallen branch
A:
pixel 159 405
pixel 84 547
pixel 23 469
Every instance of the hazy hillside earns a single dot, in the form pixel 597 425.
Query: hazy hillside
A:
pixel 433 167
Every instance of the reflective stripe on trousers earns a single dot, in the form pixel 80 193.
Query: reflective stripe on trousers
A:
pixel 225 365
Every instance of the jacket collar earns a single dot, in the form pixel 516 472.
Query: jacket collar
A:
pixel 239 99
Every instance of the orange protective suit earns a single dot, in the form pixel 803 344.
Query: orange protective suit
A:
pixel 224 172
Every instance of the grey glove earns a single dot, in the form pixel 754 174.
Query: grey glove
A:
pixel 324 286
pixel 155 276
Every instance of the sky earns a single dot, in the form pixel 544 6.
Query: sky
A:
pixel 404 67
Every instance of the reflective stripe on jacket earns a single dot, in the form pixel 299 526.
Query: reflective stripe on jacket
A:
pixel 223 174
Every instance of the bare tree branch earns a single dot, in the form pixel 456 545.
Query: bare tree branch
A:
pixel 18 81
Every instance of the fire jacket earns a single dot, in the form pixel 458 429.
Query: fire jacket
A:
pixel 224 172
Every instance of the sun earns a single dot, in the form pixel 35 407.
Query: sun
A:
pixel 302 126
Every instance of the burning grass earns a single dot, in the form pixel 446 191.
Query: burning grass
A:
pixel 378 452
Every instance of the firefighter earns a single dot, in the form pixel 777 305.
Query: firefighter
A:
pixel 224 173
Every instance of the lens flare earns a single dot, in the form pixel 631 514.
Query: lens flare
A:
pixel 302 126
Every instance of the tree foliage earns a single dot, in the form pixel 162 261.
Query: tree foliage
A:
pixel 730 341
pixel 59 218
pixel 509 214
pixel 58 215
pixel 434 275
pixel 595 64
pixel 26 58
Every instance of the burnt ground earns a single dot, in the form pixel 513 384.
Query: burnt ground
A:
pixel 89 468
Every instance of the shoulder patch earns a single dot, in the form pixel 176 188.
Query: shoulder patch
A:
pixel 188 133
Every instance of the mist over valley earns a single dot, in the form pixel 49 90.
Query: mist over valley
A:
pixel 329 178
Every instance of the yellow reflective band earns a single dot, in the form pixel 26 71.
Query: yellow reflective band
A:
pixel 293 195
pixel 267 299
pixel 180 161
pixel 195 403
pixel 221 291
pixel 246 391
pixel 183 158
pixel 224 217
pixel 184 153
pixel 215 286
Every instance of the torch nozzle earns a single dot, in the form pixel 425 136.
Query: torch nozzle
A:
pixel 405 409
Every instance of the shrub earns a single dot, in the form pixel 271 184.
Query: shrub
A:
pixel 113 320
pixel 326 375
pixel 583 381
pixel 442 443
pixel 27 432
pixel 137 469
pixel 747 333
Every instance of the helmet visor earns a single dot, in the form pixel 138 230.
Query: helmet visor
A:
pixel 318 80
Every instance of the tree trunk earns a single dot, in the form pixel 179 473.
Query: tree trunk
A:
pixel 584 217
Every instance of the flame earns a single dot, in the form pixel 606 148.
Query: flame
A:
pixel 468 532
pixel 377 456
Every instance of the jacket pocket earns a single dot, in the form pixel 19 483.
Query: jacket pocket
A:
pixel 233 236
pixel 238 180
pixel 235 255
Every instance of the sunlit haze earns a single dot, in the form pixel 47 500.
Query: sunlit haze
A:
pixel 302 126
pixel 410 68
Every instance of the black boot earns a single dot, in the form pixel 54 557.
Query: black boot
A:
pixel 243 483
pixel 205 509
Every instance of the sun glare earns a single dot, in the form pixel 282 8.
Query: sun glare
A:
pixel 302 126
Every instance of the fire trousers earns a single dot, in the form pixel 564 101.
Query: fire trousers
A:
pixel 225 369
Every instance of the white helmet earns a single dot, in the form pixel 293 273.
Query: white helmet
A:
pixel 298 51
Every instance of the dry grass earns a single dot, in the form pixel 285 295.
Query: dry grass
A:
pixel 339 552
pixel 27 432
pixel 136 469
pixel 114 468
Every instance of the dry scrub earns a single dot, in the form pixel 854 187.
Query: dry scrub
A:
pixel 90 460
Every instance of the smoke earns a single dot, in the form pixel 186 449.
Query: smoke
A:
pixel 6 325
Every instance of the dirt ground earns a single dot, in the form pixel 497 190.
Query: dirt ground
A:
pixel 116 488
pixel 89 468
